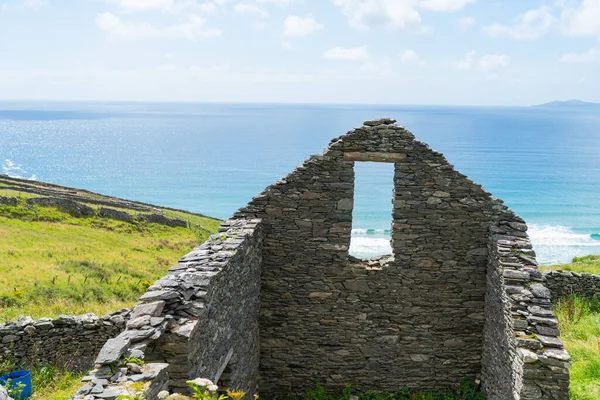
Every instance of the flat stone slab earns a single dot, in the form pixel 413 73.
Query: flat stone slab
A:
pixel 558 354
pixel 374 156
pixel 135 335
pixel 159 295
pixel 153 309
pixel 112 350
pixel 550 341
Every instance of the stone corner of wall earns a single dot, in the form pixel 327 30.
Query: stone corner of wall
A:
pixel 166 320
pixel 538 361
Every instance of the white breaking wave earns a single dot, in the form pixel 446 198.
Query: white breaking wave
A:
pixel 360 231
pixel 553 244
pixel 362 247
pixel 16 171
pixel 559 244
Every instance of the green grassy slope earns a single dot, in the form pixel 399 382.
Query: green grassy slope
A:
pixel 52 263
pixel 579 323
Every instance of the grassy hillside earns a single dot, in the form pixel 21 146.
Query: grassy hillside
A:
pixel 54 262
pixel 579 323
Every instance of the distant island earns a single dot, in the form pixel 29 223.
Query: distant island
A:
pixel 569 104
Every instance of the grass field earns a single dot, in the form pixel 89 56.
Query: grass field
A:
pixel 52 263
pixel 579 323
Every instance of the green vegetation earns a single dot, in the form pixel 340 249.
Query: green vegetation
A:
pixel 52 263
pixel 589 264
pixel 47 381
pixel 579 323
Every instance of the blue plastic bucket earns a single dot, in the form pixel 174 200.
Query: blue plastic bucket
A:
pixel 17 377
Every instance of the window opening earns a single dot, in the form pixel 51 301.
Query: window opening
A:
pixel 372 213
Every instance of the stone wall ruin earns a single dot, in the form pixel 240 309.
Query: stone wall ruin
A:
pixel 276 300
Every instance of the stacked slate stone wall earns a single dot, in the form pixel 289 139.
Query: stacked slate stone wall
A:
pixel 74 341
pixel 416 321
pixel 197 321
pixel 522 355
pixel 566 283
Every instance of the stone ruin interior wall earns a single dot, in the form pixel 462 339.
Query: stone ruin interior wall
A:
pixel 66 340
pixel 522 355
pixel 416 321
pixel 200 320
pixel 221 330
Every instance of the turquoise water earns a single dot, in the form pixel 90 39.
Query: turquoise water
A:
pixel 212 158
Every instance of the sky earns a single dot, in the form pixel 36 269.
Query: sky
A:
pixel 422 52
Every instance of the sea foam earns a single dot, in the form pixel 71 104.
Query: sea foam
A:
pixel 553 244
pixel 14 170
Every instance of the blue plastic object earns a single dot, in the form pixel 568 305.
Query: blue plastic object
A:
pixel 17 377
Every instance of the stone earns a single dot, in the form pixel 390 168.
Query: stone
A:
pixel 345 205
pixel 550 341
pixel 540 290
pixel 4 394
pixel 136 335
pixel 138 322
pixel 561 355
pixel 529 357
pixel 98 388
pixel 112 350
pixel 24 321
pixel 419 357
pixel 154 295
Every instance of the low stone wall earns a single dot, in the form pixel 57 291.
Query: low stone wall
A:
pixel 200 320
pixel 522 356
pixel 66 339
pixel 567 283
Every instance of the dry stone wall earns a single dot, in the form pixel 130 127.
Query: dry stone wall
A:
pixel 566 283
pixel 74 341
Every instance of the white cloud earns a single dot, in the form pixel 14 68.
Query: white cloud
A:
pixel 467 22
pixel 467 62
pixel 443 5
pixel 143 5
pixel 586 57
pixel 528 26
pixel 490 64
pixel 493 63
pixel 27 4
pixel 380 69
pixel 393 14
pixel 172 6
pixel 192 29
pixel 35 4
pixel 410 56
pixel 275 2
pixel 582 20
pixel 347 54
pixel 295 26
pixel 244 8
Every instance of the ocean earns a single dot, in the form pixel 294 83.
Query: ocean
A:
pixel 213 158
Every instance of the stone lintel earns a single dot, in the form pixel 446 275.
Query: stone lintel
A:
pixel 374 156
